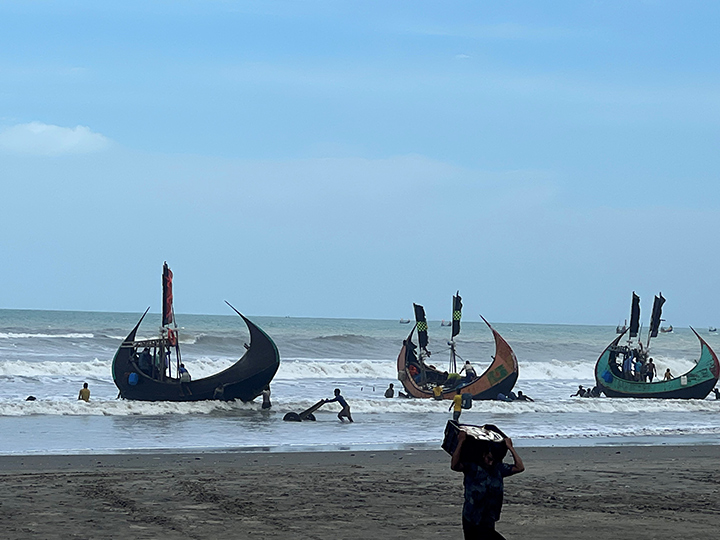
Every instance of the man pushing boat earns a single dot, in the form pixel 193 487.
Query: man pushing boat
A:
pixel 345 412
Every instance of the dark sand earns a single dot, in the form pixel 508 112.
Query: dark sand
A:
pixel 579 493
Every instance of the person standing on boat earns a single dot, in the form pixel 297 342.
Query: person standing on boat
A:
pixel 627 367
pixel 469 372
pixel 345 412
pixel 456 405
pixel 184 374
pixel 484 473
pixel 84 393
pixel 651 371
pixel 145 362
pixel 668 375
pixel 184 380
pixel 638 369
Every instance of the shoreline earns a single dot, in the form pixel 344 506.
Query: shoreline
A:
pixel 638 492
pixel 695 440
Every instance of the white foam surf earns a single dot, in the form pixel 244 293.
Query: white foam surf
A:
pixel 25 335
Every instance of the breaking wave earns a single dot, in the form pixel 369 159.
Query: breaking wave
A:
pixel 304 368
pixel 480 409
pixel 24 335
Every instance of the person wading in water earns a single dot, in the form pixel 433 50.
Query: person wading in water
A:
pixel 345 412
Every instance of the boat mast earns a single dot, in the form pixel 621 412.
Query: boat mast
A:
pixel 168 318
pixel 456 316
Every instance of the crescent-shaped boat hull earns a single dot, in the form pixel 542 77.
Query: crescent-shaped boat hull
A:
pixel 499 378
pixel 695 384
pixel 244 380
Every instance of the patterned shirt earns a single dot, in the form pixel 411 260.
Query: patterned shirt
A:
pixel 484 493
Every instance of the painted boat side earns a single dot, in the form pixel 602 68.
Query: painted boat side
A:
pixel 499 378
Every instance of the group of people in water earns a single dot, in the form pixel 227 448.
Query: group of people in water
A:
pixel 586 392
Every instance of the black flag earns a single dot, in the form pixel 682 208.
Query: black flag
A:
pixel 656 315
pixel 421 325
pixel 457 314
pixel 635 316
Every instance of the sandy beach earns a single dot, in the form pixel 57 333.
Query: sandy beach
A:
pixel 615 492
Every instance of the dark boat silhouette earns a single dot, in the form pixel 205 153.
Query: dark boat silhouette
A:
pixel 160 379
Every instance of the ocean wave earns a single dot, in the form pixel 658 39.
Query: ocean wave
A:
pixel 585 370
pixel 497 409
pixel 20 368
pixel 24 335
pixel 307 368
pixel 329 369
pixel 119 408
pixel 350 339
pixel 604 432
pixel 216 340
pixel 563 406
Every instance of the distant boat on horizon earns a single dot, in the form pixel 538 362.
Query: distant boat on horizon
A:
pixel 404 321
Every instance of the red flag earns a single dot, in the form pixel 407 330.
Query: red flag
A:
pixel 167 277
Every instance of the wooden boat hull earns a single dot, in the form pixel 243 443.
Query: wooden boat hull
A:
pixel 499 378
pixel 695 384
pixel 244 380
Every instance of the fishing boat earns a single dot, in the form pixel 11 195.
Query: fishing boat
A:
pixel 444 323
pixel 152 369
pixel 666 329
pixel 620 329
pixel 712 330
pixel 423 380
pixel 404 321
pixel 613 373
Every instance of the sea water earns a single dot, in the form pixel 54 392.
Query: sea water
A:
pixel 50 354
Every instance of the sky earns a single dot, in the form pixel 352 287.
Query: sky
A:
pixel 346 159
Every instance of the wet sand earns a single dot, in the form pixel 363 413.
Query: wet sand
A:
pixel 601 492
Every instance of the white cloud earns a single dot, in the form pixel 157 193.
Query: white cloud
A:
pixel 40 139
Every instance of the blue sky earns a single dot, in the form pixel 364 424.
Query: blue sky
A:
pixel 345 159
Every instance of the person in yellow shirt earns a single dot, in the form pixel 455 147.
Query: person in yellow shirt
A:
pixel 84 393
pixel 456 405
